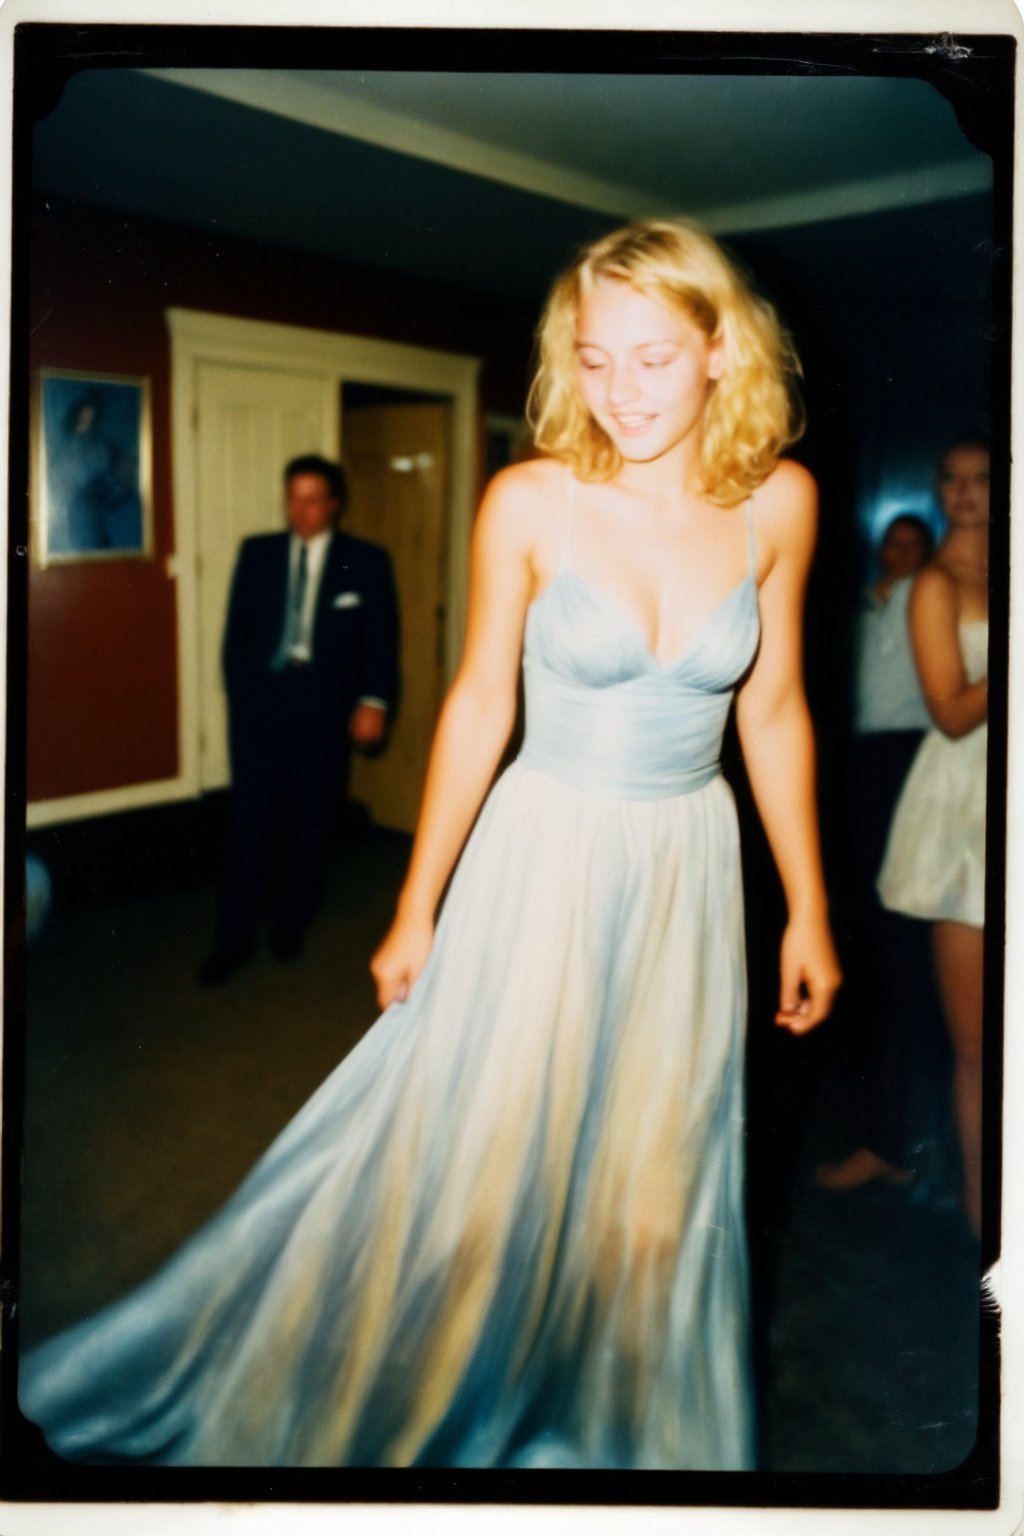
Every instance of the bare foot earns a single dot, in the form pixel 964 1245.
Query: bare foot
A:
pixel 860 1168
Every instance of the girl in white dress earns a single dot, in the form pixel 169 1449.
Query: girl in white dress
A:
pixel 935 860
pixel 509 1229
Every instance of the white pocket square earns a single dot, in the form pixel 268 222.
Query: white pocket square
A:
pixel 348 600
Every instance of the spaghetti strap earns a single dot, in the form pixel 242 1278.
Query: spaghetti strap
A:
pixel 751 543
pixel 570 502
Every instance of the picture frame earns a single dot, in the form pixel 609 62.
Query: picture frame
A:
pixel 92 459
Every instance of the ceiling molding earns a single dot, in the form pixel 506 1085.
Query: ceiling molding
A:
pixel 907 189
pixel 287 95
pixel 318 106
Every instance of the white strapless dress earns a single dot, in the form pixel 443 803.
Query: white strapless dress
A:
pixel 934 864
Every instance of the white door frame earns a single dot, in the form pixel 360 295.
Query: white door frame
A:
pixel 198 336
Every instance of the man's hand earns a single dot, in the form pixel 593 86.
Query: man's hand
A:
pixel 368 725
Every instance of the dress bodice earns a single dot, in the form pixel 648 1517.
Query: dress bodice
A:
pixel 973 635
pixel 603 714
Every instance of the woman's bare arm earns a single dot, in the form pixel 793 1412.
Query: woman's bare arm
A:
pixel 956 705
pixel 474 725
pixel 778 747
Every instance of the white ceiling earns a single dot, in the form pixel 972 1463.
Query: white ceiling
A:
pixel 487 182
pixel 739 152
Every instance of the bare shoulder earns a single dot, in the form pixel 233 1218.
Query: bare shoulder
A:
pixel 935 578
pixel 785 509
pixel 521 503
pixel 790 492
pixel 523 485
pixel 934 590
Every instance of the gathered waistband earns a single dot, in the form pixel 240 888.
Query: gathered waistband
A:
pixel 637 786
pixel 623 742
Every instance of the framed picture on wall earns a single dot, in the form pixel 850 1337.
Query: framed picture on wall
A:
pixel 93 479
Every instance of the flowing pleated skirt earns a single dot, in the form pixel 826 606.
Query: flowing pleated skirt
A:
pixel 508 1229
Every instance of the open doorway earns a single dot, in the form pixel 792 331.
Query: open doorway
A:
pixel 396 447
pixel 231 457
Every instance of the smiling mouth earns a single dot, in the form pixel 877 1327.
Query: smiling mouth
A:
pixel 633 423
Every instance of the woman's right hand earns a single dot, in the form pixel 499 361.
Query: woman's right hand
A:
pixel 400 959
pixel 477 716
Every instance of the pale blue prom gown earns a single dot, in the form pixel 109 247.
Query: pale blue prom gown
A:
pixel 508 1229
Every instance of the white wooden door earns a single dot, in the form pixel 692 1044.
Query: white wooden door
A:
pixel 249 423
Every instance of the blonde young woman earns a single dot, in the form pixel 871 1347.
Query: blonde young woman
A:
pixel 934 865
pixel 508 1230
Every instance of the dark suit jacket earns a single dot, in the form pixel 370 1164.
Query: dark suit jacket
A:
pixel 355 644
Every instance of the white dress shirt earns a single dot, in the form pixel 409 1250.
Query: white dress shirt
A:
pixel 888 691
pixel 316 557
pixel 316 554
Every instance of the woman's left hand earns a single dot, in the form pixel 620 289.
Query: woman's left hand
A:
pixel 810 975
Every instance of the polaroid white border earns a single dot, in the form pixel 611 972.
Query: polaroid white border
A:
pixel 934 19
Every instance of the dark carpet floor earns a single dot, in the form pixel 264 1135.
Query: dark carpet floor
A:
pixel 147 1098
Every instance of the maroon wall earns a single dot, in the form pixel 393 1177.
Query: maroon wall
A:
pixel 102 648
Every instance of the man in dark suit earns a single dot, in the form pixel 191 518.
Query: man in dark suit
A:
pixel 310 660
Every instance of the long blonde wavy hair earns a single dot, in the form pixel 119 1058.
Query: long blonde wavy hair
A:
pixel 752 413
